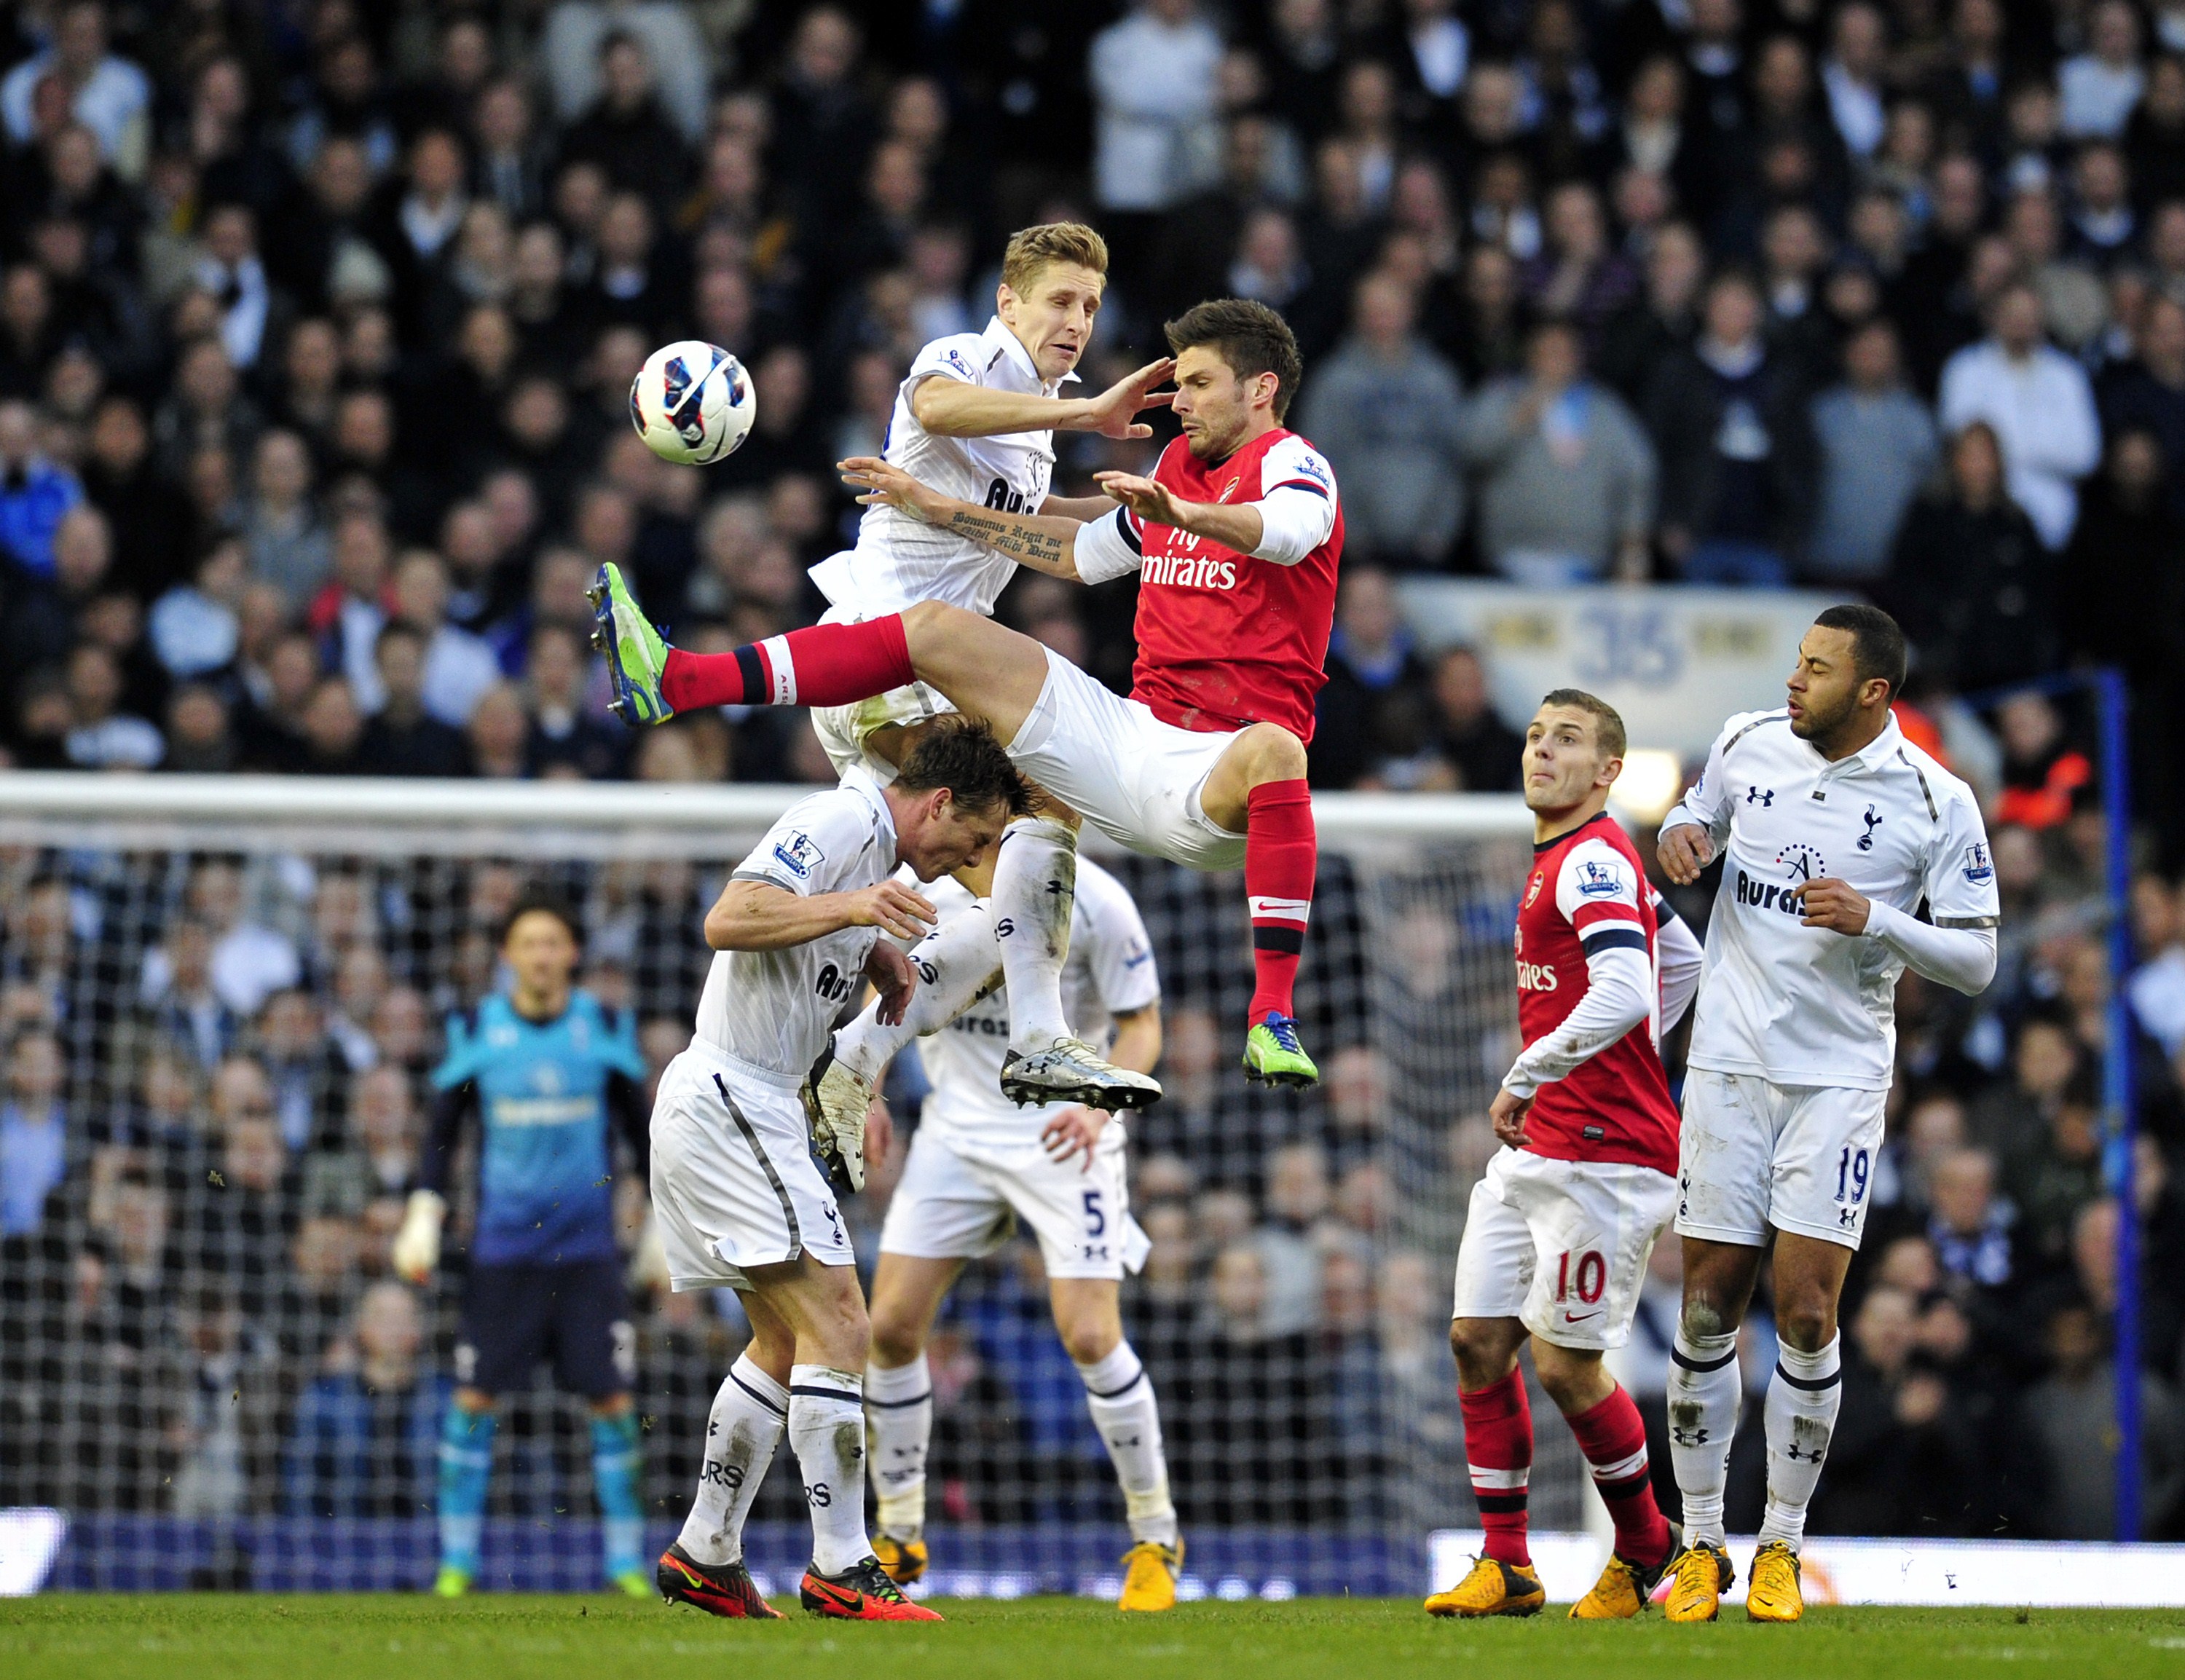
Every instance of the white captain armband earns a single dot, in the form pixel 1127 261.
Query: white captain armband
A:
pixel 1108 548
pixel 1294 521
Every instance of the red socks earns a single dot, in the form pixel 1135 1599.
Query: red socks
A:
pixel 1498 1450
pixel 1281 852
pixel 1613 1438
pixel 826 665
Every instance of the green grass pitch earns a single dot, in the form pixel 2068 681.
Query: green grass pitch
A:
pixel 498 1637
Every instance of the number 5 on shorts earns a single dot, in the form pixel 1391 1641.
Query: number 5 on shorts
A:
pixel 1096 1222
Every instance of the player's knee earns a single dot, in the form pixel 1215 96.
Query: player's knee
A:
pixel 1088 1340
pixel 1704 1318
pixel 1806 1324
pixel 1276 755
pixel 927 624
pixel 1480 1346
pixel 895 1340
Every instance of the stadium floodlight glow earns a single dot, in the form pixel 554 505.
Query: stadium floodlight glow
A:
pixel 1649 787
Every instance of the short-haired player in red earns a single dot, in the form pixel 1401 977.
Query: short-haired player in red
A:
pixel 1236 536
pixel 1560 1226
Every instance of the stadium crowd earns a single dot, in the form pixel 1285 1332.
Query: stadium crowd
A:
pixel 316 324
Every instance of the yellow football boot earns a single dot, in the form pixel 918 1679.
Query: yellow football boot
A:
pixel 904 1560
pixel 1777 1592
pixel 1492 1588
pixel 1703 1574
pixel 1149 1575
pixel 1625 1587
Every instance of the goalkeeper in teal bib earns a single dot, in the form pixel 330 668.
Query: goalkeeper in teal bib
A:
pixel 551 1074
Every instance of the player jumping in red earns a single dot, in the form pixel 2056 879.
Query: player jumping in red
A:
pixel 1237 536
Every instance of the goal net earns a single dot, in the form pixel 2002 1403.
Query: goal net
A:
pixel 228 991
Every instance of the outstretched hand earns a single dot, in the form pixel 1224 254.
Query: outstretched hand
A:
pixel 882 482
pixel 1112 413
pixel 1153 502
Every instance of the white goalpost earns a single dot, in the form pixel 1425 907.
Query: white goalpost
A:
pixel 177 1324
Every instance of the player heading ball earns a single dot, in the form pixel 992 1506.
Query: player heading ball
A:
pixel 1204 764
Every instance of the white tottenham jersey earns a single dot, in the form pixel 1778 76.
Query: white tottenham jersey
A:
pixel 1109 972
pixel 899 560
pixel 774 1008
pixel 1806 1006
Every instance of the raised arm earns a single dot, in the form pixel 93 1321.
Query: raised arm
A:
pixel 1042 541
pixel 757 915
pixel 949 407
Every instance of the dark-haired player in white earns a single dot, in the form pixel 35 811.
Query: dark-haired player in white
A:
pixel 1560 1226
pixel 1836 834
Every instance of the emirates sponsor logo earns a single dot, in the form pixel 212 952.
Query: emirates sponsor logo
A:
pixel 1190 572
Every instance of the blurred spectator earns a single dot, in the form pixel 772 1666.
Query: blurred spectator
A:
pixel 1994 620
pixel 105 92
pixel 1388 404
pixel 1878 450
pixel 36 494
pixel 1566 475
pixel 2039 404
pixel 1483 748
pixel 35 1145
pixel 366 1439
pixel 1372 670
pixel 1731 431
pixel 1970 1231
pixel 404 738
pixel 2071 1415
pixel 2099 87
pixel 1153 79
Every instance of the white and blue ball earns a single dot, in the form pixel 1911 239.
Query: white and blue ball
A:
pixel 692 403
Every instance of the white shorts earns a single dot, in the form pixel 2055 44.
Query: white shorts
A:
pixel 1799 1157
pixel 843 730
pixel 734 1181
pixel 959 1204
pixel 1134 777
pixel 1561 1246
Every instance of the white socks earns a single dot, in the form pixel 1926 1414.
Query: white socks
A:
pixel 957 965
pixel 898 1428
pixel 748 1416
pixel 827 1432
pixel 1803 1397
pixel 1120 1398
pixel 1704 1392
pixel 1035 884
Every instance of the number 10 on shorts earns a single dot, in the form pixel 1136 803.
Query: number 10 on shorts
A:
pixel 1591 1277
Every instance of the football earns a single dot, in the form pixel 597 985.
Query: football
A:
pixel 692 403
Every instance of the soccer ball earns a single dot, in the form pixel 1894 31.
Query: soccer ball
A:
pixel 692 403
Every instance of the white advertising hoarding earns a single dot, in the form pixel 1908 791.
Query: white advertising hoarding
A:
pixel 1675 660
pixel 2053 1574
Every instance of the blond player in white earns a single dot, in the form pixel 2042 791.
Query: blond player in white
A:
pixel 975 418
pixel 1834 831
pixel 978 1165
pixel 739 1198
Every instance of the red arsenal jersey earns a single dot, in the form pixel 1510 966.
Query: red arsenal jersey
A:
pixel 1588 889
pixel 1224 639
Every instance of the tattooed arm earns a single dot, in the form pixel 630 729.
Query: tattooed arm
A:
pixel 1044 544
